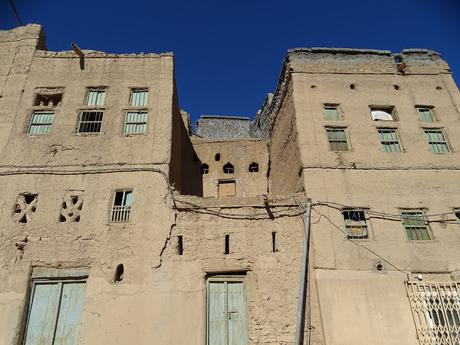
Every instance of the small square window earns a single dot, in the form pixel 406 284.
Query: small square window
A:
pixel 90 122
pixel 355 224
pixel 389 140
pixel 139 97
pixel 337 138
pixel 227 188
pixel 426 114
pixel 95 97
pixel 383 113
pixel 136 122
pixel 436 140
pixel 416 225
pixel 121 207
pixel 331 112
pixel 40 123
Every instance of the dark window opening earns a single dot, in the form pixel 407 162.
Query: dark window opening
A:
pixel 253 167
pixel 396 86
pixel 274 250
pixel 352 86
pixel 228 168
pixel 217 157
pixel 204 169
pixel 90 122
pixel 180 245
pixel 48 100
pixel 227 244
pixel 119 272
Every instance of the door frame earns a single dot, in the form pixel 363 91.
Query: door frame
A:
pixel 238 277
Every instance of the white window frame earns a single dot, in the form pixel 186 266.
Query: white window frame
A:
pixel 330 106
pixel 90 122
pixel 137 124
pixel 430 109
pixel 433 144
pixel 101 92
pixel 121 213
pixel 145 98
pixel 330 129
pixel 387 143
pixel 413 228
pixel 47 125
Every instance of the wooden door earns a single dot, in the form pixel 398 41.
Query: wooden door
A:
pixel 226 313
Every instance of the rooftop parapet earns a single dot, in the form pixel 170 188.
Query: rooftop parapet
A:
pixel 223 127
pixel 366 61
pixel 31 32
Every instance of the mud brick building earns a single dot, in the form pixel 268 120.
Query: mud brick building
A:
pixel 120 225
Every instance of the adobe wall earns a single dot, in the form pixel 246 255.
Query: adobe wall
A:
pixel 285 175
pixel 240 153
pixel 271 278
pixel 360 304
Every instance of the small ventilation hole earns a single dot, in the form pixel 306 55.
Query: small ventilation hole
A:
pixel 180 245
pixel 227 244
pixel 274 250
pixel 119 272
pixel 352 86
pixel 396 86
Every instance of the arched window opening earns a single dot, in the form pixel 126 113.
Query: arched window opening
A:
pixel 204 169
pixel 217 157
pixel 253 167
pixel 119 271
pixel 228 168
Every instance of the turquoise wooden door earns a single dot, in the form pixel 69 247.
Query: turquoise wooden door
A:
pixel 54 313
pixel 226 313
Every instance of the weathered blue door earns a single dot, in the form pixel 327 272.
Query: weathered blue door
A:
pixel 226 313
pixel 54 313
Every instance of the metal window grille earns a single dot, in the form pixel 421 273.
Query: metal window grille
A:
pixel 139 98
pixel 40 123
pixel 355 224
pixel 90 122
pixel 337 138
pixel 416 225
pixel 331 112
pixel 436 140
pixel 136 122
pixel 95 97
pixel 121 208
pixel 426 115
pixel 436 311
pixel 389 140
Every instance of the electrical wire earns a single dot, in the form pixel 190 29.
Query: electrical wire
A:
pixel 358 243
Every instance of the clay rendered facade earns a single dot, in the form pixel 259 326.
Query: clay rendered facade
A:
pixel 119 225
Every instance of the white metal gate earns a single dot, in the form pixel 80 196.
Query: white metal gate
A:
pixel 436 310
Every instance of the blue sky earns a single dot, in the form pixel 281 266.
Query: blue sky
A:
pixel 229 53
